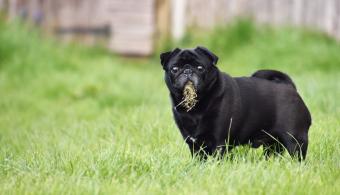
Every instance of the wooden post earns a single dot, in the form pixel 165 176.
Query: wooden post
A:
pixel 163 18
pixel 329 16
pixel 178 18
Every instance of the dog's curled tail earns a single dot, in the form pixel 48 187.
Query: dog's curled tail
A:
pixel 275 76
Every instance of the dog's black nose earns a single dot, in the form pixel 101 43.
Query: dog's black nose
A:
pixel 187 71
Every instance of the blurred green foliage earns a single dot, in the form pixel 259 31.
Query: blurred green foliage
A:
pixel 266 47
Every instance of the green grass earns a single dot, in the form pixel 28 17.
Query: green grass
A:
pixel 80 121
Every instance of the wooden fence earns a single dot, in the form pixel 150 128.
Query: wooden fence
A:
pixel 323 15
pixel 124 26
pixel 133 26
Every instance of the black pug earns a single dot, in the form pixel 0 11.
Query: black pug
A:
pixel 264 109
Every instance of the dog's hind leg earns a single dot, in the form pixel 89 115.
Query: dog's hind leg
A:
pixel 296 145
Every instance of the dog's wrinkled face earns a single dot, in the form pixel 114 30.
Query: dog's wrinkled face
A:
pixel 182 65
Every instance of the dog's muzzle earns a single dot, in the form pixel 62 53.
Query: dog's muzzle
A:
pixel 187 72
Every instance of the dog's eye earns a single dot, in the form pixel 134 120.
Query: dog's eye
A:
pixel 200 68
pixel 174 69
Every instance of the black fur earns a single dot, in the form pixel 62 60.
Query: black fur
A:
pixel 264 109
pixel 275 76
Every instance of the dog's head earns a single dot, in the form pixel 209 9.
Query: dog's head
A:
pixel 197 65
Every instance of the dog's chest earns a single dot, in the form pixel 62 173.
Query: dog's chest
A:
pixel 191 123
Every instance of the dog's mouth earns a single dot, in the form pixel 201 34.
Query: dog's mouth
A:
pixel 189 96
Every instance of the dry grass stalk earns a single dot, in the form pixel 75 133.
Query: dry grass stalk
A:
pixel 189 96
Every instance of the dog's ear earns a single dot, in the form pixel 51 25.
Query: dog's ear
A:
pixel 212 57
pixel 165 57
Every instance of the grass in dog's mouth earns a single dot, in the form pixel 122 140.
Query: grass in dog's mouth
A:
pixel 189 96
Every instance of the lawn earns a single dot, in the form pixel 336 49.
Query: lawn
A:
pixel 77 120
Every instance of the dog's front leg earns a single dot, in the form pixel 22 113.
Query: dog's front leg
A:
pixel 201 146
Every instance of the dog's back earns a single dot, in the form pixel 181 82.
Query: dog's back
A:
pixel 274 76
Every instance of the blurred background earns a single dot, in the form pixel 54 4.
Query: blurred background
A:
pixel 135 27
